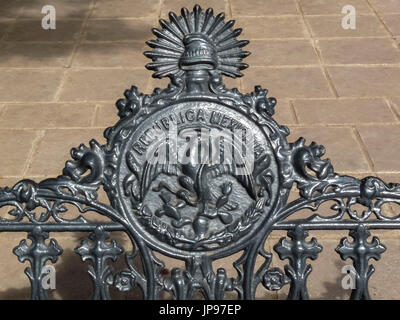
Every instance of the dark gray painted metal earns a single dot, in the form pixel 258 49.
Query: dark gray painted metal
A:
pixel 203 212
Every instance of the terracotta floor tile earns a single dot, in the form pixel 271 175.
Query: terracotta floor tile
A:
pixel 71 9
pixel 385 281
pixel 106 116
pixel 176 6
pixel 271 27
pixel 7 182
pixel 281 52
pixel 361 81
pixel 389 177
pixel 111 55
pixel 10 9
pixel 331 26
pixel 54 149
pixel 31 30
pixel 381 143
pixel 101 84
pixel 341 146
pixel 359 51
pixel 288 82
pixel 232 82
pixel 261 8
pixel 386 6
pixel 158 83
pixel 15 146
pixel 311 7
pixel 120 29
pixel 5 26
pixel 393 23
pixel 283 113
pixel 41 85
pixel 35 55
pixel 125 8
pixel 52 115
pixel 343 111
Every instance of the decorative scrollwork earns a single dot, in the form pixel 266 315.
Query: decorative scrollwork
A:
pixel 137 105
pixel 199 276
pixel 274 279
pixel 127 280
pixel 361 251
pixel 204 211
pixel 295 162
pixel 52 195
pixel 37 254
pixel 86 159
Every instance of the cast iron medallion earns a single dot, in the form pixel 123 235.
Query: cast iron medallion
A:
pixel 198 170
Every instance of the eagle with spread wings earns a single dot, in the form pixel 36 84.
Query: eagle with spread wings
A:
pixel 196 188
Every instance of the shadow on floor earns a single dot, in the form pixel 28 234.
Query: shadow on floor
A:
pixel 25 43
pixel 72 280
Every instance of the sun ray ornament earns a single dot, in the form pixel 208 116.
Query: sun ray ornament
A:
pixel 196 44
pixel 199 172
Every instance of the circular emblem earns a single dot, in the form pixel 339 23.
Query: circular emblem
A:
pixel 197 176
pixel 194 171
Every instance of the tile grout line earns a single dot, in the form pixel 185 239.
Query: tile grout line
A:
pixel 19 102
pixel 8 29
pixel 292 125
pixel 343 125
pixel 141 40
pixel 112 101
pixel 74 50
pixel 288 15
pixel 293 111
pixel 75 68
pixel 393 110
pixel 84 24
pixel 397 45
pixel 364 149
pixel 3 108
pixel 35 145
pixel 228 2
pixel 11 26
pixel 57 94
pixel 149 79
pixel 317 51
pixel 161 5
pixel 289 66
pixel 342 65
pixel 94 117
pixel 133 68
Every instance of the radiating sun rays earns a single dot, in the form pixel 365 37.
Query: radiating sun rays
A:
pixel 219 48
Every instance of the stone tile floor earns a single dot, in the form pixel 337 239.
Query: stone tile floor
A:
pixel 338 87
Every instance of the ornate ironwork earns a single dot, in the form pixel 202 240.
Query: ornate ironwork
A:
pixel 38 253
pixel 187 204
pixel 98 251
pixel 360 251
pixel 298 251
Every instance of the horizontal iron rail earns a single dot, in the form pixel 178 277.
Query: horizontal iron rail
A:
pixel 53 227
pixel 347 225
pixel 113 226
